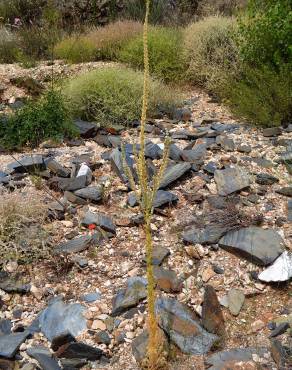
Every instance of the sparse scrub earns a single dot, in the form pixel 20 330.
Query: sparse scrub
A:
pixel 223 7
pixel 9 50
pixel 114 95
pixel 37 121
pixel 23 237
pixel 210 51
pixel 76 49
pixel 261 95
pixel 165 56
pixel 108 40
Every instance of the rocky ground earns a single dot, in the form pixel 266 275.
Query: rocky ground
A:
pixel 222 235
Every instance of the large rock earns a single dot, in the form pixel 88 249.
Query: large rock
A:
pixel 10 343
pixel 58 169
pixel 236 358
pixel 92 193
pixel 280 270
pixel 30 163
pixel 167 280
pixel 153 151
pixel 195 154
pixel 173 173
pixel 79 350
pixel 44 358
pixel 158 256
pixel 59 318
pixel 77 245
pixel 230 180
pixel 236 300
pixel 135 291
pixel 212 316
pixel 162 198
pixel 174 152
pixel 208 234
pixel 179 323
pixel 86 129
pixel 260 246
pixel 99 219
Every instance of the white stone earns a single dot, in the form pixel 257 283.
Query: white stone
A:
pixel 280 270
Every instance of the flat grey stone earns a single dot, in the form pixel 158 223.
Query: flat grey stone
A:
pixel 44 358
pixel 231 180
pixel 236 300
pixel 173 173
pixel 159 254
pixel 260 246
pixel 10 343
pixel 76 245
pixel 178 321
pixel 92 193
pixel 30 163
pixel 59 318
pixel 58 169
pixel 99 219
pixel 131 296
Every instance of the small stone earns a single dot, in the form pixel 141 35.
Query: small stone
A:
pixel 102 337
pixel 167 280
pixel 207 274
pixel 257 326
pixel 98 325
pixel 266 179
pixel 235 301
pixel 212 317
pixel 272 131
pixel 243 148
pixel 280 329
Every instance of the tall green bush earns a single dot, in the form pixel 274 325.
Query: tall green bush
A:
pixel 165 53
pixel 114 95
pixel 39 120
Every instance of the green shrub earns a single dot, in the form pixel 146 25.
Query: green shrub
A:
pixel 9 50
pixel 76 49
pixel 265 33
pixel 165 54
pixel 210 51
pixel 108 40
pixel 114 96
pixel 37 121
pixel 263 96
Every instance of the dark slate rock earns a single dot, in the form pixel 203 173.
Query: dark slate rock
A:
pixel 62 339
pixel 103 140
pixel 131 296
pixel 244 148
pixel 30 163
pixel 79 350
pixel 159 254
pixel 179 323
pixel 73 363
pixel 3 174
pixel 212 316
pixel 226 359
pixel 151 169
pixel 162 198
pixel 73 198
pixel 226 143
pixel 272 131
pixel 92 193
pixel 102 337
pixel 86 129
pixel 44 358
pixel 115 141
pixel 195 154
pixel 182 114
pixel 281 355
pixel 5 326
pixel 208 234
pixel 231 180
pixel 174 152
pixel 210 167
pixel 75 245
pixel 11 284
pixel 90 297
pixel 287 191
pixel 10 343
pixel 153 151
pixel 167 280
pixel 266 179
pixel 173 173
pixel 72 184
pixel 58 169
pixel 59 318
pixel 280 329
pixel 99 219
pixel 258 245
pixel 118 166
pixel 218 269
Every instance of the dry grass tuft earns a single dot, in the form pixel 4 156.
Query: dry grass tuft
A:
pixel 109 39
pixel 22 234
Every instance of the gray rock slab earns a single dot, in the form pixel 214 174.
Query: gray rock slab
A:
pixel 231 180
pixel 260 246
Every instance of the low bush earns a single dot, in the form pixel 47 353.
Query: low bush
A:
pixel 23 237
pixel 265 33
pixel 108 40
pixel 76 49
pixel 37 121
pixel 9 49
pixel 165 56
pixel 263 96
pixel 210 51
pixel 114 96
pixel 222 7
